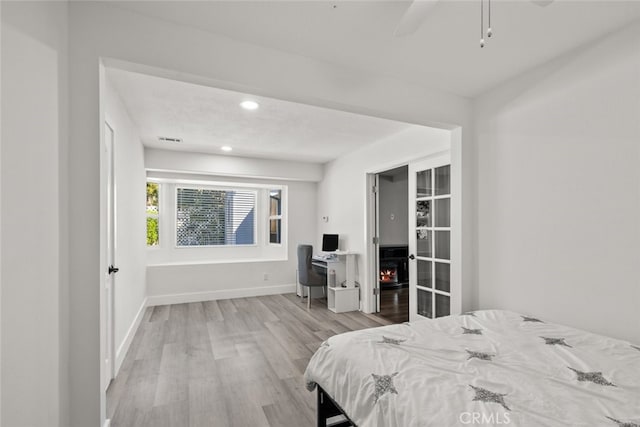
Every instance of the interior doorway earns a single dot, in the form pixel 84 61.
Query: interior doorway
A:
pixel 392 245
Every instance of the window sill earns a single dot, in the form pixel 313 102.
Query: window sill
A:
pixel 210 262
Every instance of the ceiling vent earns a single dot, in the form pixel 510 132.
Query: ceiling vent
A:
pixel 167 139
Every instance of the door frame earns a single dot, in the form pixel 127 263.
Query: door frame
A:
pixel 110 239
pixel 373 232
pixel 372 229
pixel 370 262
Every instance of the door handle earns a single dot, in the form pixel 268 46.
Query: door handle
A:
pixel 411 257
pixel 113 269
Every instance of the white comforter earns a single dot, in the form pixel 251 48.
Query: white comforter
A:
pixel 484 368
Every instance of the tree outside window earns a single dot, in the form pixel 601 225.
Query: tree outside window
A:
pixel 153 213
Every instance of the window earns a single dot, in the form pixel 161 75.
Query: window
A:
pixel 275 216
pixel 153 211
pixel 215 221
pixel 215 217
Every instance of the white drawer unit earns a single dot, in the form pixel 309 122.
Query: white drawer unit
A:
pixel 340 300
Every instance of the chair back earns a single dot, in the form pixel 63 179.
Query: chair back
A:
pixel 305 252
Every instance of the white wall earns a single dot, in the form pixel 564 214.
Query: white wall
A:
pixel 219 279
pixel 342 193
pixel 197 163
pixel 393 221
pixel 99 30
pixel 130 194
pixel 171 167
pixel 34 126
pixel 1 118
pixel 193 274
pixel 559 190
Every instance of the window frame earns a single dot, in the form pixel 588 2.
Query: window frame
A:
pixel 168 253
pixel 214 187
pixel 275 217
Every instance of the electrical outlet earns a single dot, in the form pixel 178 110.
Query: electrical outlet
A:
pixel 265 276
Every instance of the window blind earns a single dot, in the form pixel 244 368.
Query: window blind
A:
pixel 211 217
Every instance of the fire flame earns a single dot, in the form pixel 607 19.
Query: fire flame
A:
pixel 388 275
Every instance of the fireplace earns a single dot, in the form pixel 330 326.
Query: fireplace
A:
pixel 393 266
pixel 388 273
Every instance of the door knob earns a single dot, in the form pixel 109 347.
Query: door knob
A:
pixel 113 269
pixel 412 257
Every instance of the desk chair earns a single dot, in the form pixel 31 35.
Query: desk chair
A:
pixel 306 275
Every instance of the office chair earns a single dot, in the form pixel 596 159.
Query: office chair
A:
pixel 306 275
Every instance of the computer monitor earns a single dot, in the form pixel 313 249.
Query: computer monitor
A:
pixel 329 242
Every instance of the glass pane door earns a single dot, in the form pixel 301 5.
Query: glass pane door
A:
pixel 430 243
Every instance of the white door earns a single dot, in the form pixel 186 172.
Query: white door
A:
pixel 111 254
pixel 430 238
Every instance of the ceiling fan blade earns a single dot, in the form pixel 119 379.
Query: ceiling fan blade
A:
pixel 542 3
pixel 414 16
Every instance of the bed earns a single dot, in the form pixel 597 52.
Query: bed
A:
pixel 482 368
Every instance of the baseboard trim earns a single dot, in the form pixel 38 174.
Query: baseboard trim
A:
pixel 121 352
pixel 107 423
pixel 221 294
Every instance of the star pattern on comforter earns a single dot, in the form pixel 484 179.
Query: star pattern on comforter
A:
pixel 594 377
pixel 383 385
pixel 487 396
pixel 479 355
pixel 555 341
pixel 387 340
pixel 623 424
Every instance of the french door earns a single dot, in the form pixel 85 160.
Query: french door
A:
pixel 430 238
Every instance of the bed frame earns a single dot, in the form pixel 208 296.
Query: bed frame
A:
pixel 328 408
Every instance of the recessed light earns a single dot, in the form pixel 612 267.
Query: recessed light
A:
pixel 249 105
pixel 226 148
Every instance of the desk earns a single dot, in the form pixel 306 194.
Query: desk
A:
pixel 345 296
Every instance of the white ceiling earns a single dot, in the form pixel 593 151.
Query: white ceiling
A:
pixel 443 53
pixel 208 118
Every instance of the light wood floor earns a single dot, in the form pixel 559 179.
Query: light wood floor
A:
pixel 223 363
